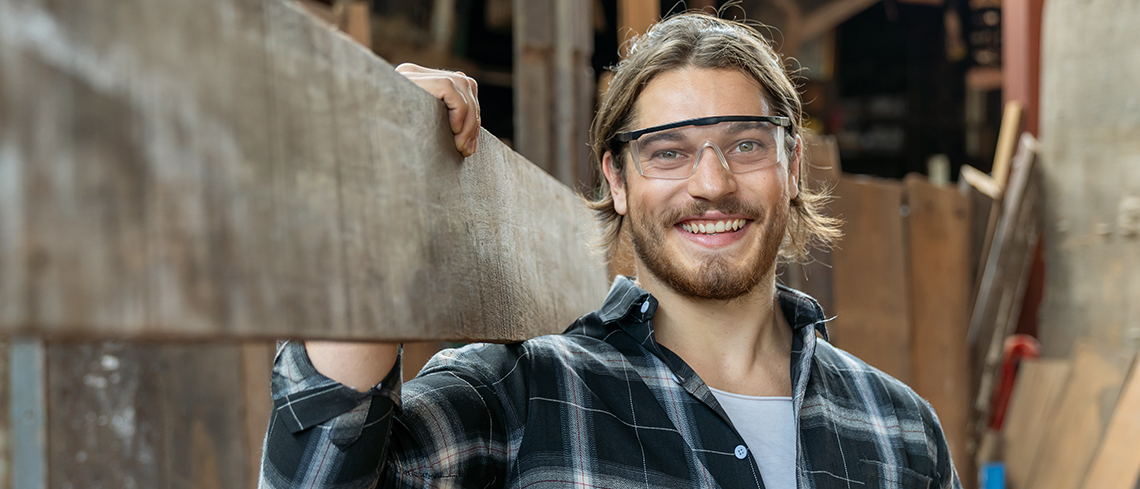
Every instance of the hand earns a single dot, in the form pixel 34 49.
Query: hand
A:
pixel 461 95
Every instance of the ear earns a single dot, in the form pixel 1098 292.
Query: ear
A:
pixel 617 184
pixel 794 169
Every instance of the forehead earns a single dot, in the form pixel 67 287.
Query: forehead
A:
pixel 689 93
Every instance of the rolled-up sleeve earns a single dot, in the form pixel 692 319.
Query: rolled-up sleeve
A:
pixel 323 433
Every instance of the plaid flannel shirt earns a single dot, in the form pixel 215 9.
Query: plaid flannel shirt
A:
pixel 601 405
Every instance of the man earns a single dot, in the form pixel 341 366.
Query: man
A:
pixel 701 372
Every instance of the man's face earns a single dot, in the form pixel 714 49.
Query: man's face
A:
pixel 665 216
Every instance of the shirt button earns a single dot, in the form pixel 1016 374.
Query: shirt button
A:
pixel 741 452
pixel 644 306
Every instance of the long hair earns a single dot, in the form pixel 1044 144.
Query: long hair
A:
pixel 704 41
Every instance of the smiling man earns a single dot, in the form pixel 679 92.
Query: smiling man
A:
pixel 701 372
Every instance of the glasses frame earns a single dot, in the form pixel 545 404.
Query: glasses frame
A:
pixel 631 136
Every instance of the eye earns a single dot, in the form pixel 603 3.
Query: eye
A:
pixel 747 146
pixel 667 154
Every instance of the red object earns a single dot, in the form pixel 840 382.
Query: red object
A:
pixel 1017 347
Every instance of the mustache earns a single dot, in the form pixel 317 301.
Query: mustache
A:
pixel 727 205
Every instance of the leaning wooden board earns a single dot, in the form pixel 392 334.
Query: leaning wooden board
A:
pixel 232 168
pixel 940 273
pixel 871 289
pixel 1117 462
pixel 1079 421
pixel 1031 406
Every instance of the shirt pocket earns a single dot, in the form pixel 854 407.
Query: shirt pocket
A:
pixel 885 476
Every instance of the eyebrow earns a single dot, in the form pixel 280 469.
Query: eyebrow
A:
pixel 660 136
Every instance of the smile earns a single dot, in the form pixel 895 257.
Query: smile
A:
pixel 714 227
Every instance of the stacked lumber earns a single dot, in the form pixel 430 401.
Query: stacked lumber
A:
pixel 1072 423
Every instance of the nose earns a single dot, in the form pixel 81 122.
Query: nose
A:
pixel 712 180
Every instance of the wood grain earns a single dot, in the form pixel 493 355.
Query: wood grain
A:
pixel 1117 462
pixel 1075 429
pixel 235 169
pixel 872 303
pixel 940 280
pixel 1031 406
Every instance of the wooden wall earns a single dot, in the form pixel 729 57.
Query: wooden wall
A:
pixel 902 279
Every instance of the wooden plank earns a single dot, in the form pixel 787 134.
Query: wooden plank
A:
pixel 1117 462
pixel 270 179
pixel 146 416
pixel 1089 160
pixel 257 365
pixel 940 278
pixel 1001 289
pixel 871 290
pixel 1077 425
pixel 1031 406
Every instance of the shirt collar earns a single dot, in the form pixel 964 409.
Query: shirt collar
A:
pixel 631 305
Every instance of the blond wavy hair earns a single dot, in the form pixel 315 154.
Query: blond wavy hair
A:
pixel 700 40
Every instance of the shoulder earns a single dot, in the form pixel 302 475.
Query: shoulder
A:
pixel 851 383
pixel 493 362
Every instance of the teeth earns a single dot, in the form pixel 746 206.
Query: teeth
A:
pixel 711 228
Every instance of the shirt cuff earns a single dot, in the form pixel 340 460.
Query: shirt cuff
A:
pixel 303 397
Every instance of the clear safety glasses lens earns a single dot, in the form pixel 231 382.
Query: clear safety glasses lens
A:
pixel 741 146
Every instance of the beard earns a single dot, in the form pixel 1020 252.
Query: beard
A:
pixel 715 277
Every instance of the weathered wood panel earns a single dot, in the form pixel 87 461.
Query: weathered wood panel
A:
pixel 149 416
pixel 871 289
pixel 940 278
pixel 1083 410
pixel 1035 394
pixel 231 168
pixel 1090 161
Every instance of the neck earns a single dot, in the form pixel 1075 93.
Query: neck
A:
pixel 740 345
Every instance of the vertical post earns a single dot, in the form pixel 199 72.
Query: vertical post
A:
pixel 554 86
pixel 28 414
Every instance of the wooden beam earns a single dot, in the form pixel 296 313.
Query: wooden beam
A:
pixel 554 87
pixel 272 178
pixel 829 15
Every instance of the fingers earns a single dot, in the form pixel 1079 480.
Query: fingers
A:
pixel 459 93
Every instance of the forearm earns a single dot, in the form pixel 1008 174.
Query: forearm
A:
pixel 357 365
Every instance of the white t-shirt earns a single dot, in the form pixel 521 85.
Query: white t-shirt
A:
pixel 769 430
